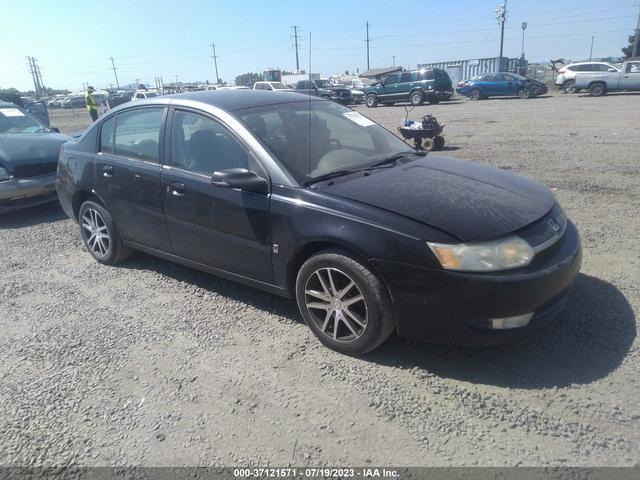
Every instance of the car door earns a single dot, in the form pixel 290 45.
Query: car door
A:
pixel 223 228
pixel 405 85
pixel 500 85
pixel 127 174
pixel 630 78
pixel 487 85
pixel 511 85
pixel 390 88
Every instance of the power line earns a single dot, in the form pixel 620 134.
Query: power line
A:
pixel 295 44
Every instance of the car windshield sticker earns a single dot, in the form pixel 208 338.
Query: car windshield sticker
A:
pixel 11 112
pixel 359 119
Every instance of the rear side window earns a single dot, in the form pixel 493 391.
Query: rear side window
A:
pixel 138 134
pixel 406 77
pixel 106 136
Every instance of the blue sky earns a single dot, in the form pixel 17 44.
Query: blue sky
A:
pixel 73 40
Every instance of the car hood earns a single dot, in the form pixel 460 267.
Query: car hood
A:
pixel 23 149
pixel 469 201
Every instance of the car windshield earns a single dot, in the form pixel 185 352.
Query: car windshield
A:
pixel 151 94
pixel 278 86
pixel 315 138
pixel 14 120
pixel 323 83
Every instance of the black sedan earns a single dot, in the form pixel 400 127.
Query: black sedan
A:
pixel 308 199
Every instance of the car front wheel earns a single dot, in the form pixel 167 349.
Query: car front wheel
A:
pixel 475 94
pixel 524 93
pixel 344 304
pixel 100 235
pixel 371 101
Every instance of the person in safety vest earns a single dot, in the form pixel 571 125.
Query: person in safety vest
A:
pixel 92 106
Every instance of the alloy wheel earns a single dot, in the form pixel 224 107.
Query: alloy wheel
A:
pixel 96 234
pixel 336 304
pixel 474 94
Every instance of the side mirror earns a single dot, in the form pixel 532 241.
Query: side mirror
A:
pixel 240 178
pixel 55 129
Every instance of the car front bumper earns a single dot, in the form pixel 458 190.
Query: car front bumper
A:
pixel 26 192
pixel 455 307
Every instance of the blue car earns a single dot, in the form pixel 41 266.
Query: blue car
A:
pixel 501 84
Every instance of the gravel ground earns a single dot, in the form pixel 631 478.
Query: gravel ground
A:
pixel 151 363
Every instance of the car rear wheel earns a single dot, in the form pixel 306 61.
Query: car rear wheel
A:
pixel 371 101
pixel 569 86
pixel 344 304
pixel 597 90
pixel 475 94
pixel 100 235
pixel 416 98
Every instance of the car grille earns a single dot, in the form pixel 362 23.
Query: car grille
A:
pixel 34 170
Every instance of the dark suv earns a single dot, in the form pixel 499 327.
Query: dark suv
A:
pixel 432 85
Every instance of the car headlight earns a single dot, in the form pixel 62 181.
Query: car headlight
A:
pixel 503 254
pixel 4 174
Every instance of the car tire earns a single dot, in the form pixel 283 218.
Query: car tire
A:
pixel 371 101
pixel 438 143
pixel 100 235
pixel 569 86
pixel 597 90
pixel 335 278
pixel 416 98
pixel 475 94
pixel 524 93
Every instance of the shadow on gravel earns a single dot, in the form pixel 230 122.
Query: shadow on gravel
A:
pixel 262 300
pixel 47 213
pixel 589 339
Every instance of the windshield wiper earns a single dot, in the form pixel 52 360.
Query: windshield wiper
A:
pixel 384 162
pixel 396 156
pixel 332 174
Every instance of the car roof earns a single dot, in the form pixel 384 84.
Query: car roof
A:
pixel 231 100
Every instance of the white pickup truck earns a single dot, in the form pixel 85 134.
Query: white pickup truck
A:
pixel 599 83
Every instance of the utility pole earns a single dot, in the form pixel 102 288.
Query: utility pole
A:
pixel 34 69
pixel 215 61
pixel 591 51
pixel 394 60
pixel 367 40
pixel 295 44
pixel 634 50
pixel 113 66
pixel 502 18
pixel 309 55
pixel 524 27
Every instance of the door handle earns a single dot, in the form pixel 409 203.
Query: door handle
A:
pixel 107 171
pixel 176 189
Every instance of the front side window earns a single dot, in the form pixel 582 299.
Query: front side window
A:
pixel 392 79
pixel 633 67
pixel 138 134
pixel 202 145
pixel 406 77
pixel 310 139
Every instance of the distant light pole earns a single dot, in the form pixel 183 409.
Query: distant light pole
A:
pixel 524 27
pixel 591 51
pixel 394 60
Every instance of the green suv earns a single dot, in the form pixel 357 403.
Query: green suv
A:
pixel 415 87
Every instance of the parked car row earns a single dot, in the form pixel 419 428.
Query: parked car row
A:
pixel 319 88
